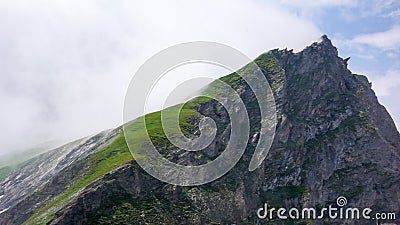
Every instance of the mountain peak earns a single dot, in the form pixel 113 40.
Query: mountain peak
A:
pixel 319 51
pixel 322 47
pixel 324 44
pixel 324 39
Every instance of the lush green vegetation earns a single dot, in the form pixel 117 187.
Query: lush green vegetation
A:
pixel 267 62
pixel 136 133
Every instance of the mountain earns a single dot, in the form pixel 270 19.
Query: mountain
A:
pixel 332 139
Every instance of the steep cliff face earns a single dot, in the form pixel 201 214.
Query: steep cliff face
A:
pixel 333 139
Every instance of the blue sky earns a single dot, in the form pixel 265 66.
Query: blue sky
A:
pixel 65 65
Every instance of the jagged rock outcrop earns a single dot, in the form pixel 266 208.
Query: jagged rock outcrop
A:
pixel 333 139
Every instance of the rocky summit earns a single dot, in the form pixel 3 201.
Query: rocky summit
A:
pixel 333 139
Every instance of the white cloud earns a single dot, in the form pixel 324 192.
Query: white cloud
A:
pixel 377 7
pixel 387 89
pixel 393 14
pixel 387 40
pixel 387 84
pixel 65 65
pixel 391 102
pixel 315 9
